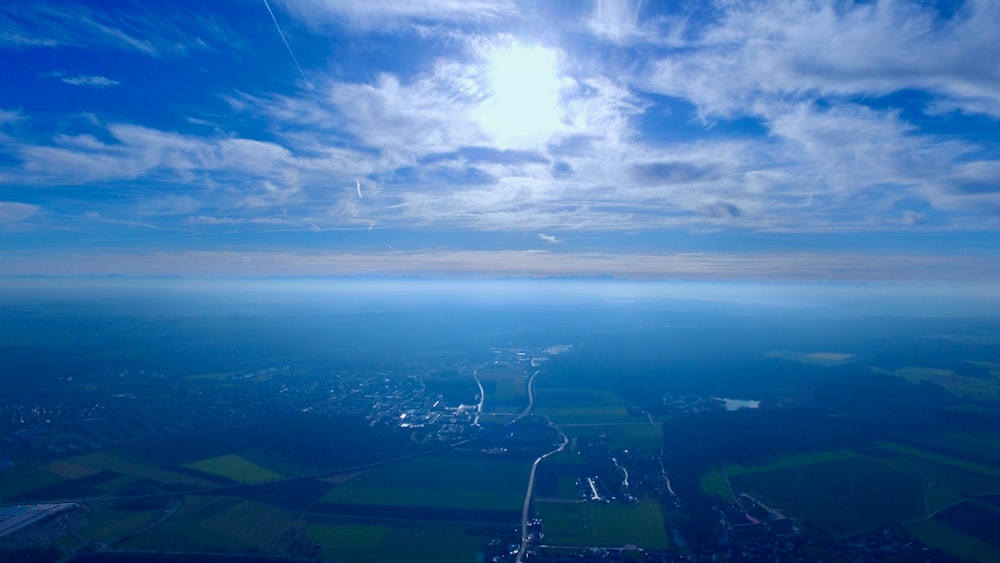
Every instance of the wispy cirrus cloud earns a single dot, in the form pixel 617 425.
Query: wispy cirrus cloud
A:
pixel 762 52
pixel 15 212
pixel 7 116
pixel 370 14
pixel 130 27
pixel 90 80
pixel 559 124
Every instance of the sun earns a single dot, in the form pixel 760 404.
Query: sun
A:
pixel 524 94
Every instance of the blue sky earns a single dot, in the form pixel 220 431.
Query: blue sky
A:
pixel 758 140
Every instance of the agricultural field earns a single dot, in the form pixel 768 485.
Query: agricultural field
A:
pixel 971 388
pixel 640 435
pixel 434 487
pixel 972 467
pixel 583 406
pixel 234 467
pixel 791 461
pixel 974 519
pixel 951 484
pixel 108 525
pixel 979 447
pixel 713 484
pixel 842 497
pixel 941 536
pixel 506 387
pixel 23 479
pixel 349 541
pixel 137 467
pixel 69 470
pixel 293 495
pixel 607 525
pixel 216 524
pixel 813 358
pixel 557 478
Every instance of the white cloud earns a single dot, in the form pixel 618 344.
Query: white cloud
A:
pixel 768 50
pixel 169 33
pixel 15 212
pixel 517 263
pixel 90 80
pixel 370 14
pixel 9 116
pixel 616 20
pixel 549 238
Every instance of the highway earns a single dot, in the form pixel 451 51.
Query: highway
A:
pixel 482 397
pixel 534 466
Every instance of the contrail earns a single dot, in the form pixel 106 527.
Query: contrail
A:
pixel 359 187
pixel 290 52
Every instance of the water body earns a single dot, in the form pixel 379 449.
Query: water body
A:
pixel 737 404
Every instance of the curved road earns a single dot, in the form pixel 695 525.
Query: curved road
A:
pixel 534 467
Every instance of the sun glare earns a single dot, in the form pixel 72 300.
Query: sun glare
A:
pixel 524 94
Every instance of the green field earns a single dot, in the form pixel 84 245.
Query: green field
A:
pixel 108 525
pixel 416 542
pixel 409 496
pixel 69 470
pixel 215 524
pixel 354 538
pixel 972 388
pixel 234 467
pixel 951 484
pixel 597 414
pixel 438 482
pixel 127 464
pixel 608 525
pixel 508 386
pixel 916 374
pixel 790 461
pixel 981 446
pixel 813 358
pixel 842 497
pixel 25 478
pixel 447 472
pixel 941 536
pixel 182 535
pixel 991 472
pixel 250 523
pixel 713 484
pixel 626 436
pixel 583 406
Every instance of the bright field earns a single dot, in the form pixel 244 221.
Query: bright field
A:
pixel 234 467
pixel 606 525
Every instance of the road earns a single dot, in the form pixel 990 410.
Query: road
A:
pixel 482 397
pixel 534 466
pixel 527 496
pixel 531 398
pixel 397 459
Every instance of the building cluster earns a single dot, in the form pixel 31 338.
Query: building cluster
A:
pixel 82 413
